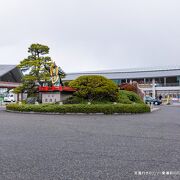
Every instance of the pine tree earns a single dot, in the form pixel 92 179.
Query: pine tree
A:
pixel 33 68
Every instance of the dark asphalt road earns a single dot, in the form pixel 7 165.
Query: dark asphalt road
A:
pixel 55 147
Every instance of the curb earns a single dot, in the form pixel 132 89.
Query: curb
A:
pixel 172 105
pixel 155 109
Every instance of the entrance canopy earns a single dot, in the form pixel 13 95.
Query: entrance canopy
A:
pixel 10 73
pixel 10 77
pixel 9 85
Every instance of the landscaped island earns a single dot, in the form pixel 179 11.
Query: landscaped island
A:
pixel 95 94
pixel 86 94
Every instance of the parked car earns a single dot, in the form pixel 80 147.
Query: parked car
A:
pixel 9 98
pixel 150 100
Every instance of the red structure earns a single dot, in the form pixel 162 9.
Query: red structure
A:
pixel 55 88
pixel 53 94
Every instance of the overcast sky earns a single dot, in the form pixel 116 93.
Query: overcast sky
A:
pixel 93 34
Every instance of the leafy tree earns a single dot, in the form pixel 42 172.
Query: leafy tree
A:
pixel 95 88
pixel 34 69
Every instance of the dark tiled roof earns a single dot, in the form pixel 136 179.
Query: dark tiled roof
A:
pixel 6 68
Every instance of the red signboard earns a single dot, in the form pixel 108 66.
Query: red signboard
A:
pixel 56 88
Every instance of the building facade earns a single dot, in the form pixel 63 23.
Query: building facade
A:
pixel 10 77
pixel 157 81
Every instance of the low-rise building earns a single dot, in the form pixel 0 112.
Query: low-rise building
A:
pixel 153 81
pixel 10 77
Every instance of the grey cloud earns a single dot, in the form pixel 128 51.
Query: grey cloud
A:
pixel 93 34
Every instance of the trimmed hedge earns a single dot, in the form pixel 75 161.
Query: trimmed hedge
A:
pixel 81 108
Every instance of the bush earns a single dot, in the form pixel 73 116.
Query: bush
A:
pixel 66 83
pixel 128 97
pixel 74 100
pixel 78 100
pixel 81 108
pixel 128 87
pixel 95 88
pixel 123 98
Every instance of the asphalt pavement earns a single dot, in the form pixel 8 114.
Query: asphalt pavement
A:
pixel 90 147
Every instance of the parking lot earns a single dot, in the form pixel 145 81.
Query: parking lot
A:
pixel 34 146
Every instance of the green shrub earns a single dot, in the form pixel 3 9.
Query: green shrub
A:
pixel 74 100
pixel 128 97
pixel 95 88
pixel 66 83
pixel 123 98
pixel 78 100
pixel 81 108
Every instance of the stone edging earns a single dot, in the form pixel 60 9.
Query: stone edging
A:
pixel 154 109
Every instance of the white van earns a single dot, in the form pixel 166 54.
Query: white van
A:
pixel 9 98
